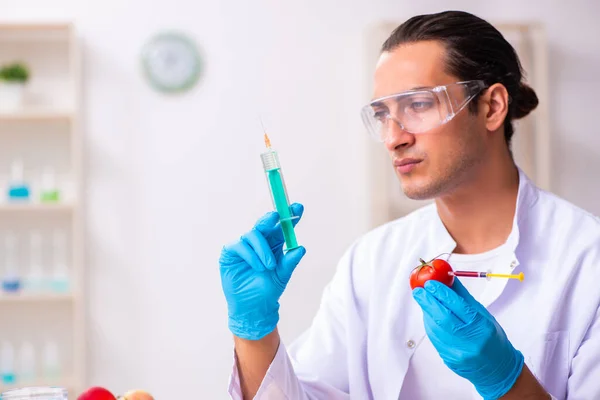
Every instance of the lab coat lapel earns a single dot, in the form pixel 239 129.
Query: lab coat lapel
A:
pixel 408 332
pixel 526 197
pixel 438 241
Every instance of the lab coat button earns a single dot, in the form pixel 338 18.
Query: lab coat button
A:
pixel 410 344
pixel 513 264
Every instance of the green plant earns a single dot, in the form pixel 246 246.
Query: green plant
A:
pixel 15 72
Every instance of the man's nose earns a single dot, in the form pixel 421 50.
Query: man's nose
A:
pixel 396 136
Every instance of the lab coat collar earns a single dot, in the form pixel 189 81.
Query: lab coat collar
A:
pixel 526 197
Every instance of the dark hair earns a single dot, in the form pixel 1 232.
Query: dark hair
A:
pixel 474 50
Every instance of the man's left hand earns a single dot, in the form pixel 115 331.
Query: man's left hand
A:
pixel 468 338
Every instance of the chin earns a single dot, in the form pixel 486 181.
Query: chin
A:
pixel 417 189
pixel 418 195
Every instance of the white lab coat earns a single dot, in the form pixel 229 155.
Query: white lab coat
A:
pixel 368 325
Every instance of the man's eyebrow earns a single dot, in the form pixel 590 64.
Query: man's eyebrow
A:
pixel 419 88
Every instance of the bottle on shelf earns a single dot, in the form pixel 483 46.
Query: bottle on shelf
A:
pixel 18 189
pixel 60 274
pixel 11 280
pixel 51 362
pixel 26 370
pixel 34 281
pixel 7 363
pixel 49 192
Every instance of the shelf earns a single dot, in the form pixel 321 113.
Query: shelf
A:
pixel 35 297
pixel 36 115
pixel 34 26
pixel 36 207
pixel 35 32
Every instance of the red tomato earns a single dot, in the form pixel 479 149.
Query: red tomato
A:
pixel 436 269
pixel 96 393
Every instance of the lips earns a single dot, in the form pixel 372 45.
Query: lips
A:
pixel 406 161
pixel 406 165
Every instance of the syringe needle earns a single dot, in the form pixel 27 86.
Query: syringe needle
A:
pixel 267 140
pixel 261 124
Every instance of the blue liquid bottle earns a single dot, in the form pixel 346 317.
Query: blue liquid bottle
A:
pixel 7 363
pixel 18 190
pixel 11 282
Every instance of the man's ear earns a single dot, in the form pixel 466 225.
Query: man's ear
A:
pixel 496 106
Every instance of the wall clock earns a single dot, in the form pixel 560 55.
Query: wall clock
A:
pixel 171 62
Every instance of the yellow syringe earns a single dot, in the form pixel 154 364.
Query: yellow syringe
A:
pixel 487 275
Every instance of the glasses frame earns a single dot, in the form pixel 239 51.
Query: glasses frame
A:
pixel 474 88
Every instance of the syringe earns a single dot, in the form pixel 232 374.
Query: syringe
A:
pixel 488 275
pixel 279 195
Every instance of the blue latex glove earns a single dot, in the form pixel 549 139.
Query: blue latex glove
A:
pixel 468 338
pixel 254 274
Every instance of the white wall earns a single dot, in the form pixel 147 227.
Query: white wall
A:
pixel 170 180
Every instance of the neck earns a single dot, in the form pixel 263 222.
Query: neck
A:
pixel 479 215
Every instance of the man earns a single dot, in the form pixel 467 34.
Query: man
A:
pixel 447 88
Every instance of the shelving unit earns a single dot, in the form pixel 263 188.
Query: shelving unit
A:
pixel 45 132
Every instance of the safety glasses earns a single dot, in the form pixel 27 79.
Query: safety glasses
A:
pixel 420 110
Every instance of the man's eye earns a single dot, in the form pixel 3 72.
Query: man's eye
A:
pixel 380 115
pixel 420 106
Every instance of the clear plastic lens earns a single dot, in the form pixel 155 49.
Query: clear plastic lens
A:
pixel 418 111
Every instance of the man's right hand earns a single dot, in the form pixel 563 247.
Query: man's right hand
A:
pixel 254 273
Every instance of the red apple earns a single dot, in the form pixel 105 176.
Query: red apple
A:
pixel 96 393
